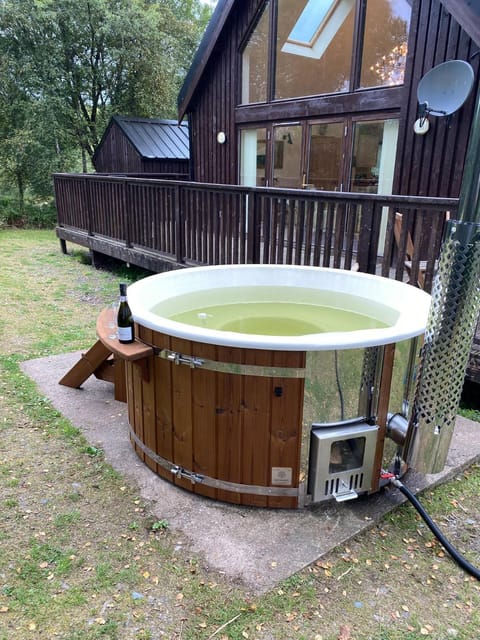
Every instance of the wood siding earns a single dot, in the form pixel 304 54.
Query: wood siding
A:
pixel 116 154
pixel 215 103
pixel 433 164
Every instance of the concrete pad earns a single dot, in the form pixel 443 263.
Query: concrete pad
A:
pixel 256 547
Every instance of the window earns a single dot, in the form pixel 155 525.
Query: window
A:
pixel 387 24
pixel 314 47
pixel 253 153
pixel 311 51
pixel 255 63
pixel 373 158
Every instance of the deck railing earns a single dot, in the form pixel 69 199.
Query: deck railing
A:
pixel 148 222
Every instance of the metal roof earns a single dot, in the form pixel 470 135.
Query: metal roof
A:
pixel 155 139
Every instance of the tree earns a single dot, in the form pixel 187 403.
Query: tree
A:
pixel 79 61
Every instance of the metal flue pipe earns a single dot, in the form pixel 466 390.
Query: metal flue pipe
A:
pixel 451 325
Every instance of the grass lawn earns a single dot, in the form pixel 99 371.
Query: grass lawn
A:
pixel 82 558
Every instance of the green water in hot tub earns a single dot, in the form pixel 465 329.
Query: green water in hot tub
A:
pixel 275 310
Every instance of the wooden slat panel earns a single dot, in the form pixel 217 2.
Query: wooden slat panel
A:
pixel 286 429
pixel 229 392
pixel 145 372
pixel 204 405
pixel 256 428
pixel 162 373
pixel 182 412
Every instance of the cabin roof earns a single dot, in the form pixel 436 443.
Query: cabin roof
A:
pixel 466 13
pixel 153 139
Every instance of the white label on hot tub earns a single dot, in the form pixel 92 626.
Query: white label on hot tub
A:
pixel 282 475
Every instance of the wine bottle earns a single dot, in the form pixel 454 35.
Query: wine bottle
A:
pixel 124 318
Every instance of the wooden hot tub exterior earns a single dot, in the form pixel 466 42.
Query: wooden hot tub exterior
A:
pixel 242 433
pixel 230 415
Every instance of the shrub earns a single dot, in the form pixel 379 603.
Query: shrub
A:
pixel 38 215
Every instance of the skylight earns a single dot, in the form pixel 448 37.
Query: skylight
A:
pixel 316 27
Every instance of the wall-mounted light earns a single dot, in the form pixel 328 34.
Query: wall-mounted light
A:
pixel 221 137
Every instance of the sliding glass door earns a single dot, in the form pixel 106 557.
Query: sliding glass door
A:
pixel 342 155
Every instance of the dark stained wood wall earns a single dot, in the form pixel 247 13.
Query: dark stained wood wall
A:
pixel 433 164
pixel 117 154
pixel 215 103
pixel 429 165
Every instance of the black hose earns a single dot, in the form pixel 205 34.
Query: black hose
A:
pixel 459 559
pixel 339 387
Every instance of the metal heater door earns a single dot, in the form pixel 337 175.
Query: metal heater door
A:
pixel 341 461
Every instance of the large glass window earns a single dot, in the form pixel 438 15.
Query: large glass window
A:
pixel 314 47
pixel 255 63
pixel 387 24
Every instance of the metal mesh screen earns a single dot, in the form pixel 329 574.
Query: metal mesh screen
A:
pixel 452 321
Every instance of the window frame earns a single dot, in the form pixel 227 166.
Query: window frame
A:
pixel 355 63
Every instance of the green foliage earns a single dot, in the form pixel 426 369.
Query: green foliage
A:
pixel 67 65
pixel 160 525
pixel 35 214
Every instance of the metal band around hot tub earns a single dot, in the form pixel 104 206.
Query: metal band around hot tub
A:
pixel 231 367
pixel 197 478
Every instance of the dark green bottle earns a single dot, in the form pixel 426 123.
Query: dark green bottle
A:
pixel 124 319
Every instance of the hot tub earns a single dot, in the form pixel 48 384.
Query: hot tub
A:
pixel 259 369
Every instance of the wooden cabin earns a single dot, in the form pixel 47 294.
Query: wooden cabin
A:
pixel 132 145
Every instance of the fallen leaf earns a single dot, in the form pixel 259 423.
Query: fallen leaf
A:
pixel 345 633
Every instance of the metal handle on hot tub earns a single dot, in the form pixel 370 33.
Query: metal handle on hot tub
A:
pixel 180 472
pixel 179 358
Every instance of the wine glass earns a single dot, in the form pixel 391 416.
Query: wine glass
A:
pixel 112 320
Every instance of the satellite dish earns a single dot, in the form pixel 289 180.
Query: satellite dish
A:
pixel 445 87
